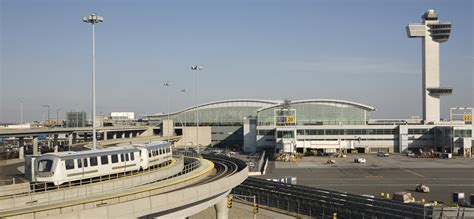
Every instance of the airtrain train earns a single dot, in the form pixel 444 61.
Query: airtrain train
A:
pixel 62 167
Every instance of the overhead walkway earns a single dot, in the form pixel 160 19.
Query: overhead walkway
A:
pixel 185 188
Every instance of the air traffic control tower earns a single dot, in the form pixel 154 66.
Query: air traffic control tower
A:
pixel 432 32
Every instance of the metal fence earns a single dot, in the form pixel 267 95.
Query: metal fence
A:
pixel 320 203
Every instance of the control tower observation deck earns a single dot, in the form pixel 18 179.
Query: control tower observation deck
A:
pixel 433 32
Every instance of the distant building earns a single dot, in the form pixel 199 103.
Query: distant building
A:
pixel 122 118
pixel 123 115
pixel 16 126
pixel 76 119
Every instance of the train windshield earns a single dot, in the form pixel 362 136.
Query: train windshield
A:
pixel 45 165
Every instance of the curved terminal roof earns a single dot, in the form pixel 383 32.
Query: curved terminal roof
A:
pixel 344 102
pixel 225 103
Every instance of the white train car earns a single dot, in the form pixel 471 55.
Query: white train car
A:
pixel 154 154
pixel 62 167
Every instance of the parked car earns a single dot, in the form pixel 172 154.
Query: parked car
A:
pixel 383 154
pixel 422 188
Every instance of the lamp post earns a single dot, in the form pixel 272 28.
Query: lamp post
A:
pixel 168 84
pixel 21 111
pixel 93 19
pixel 57 116
pixel 185 119
pixel 197 69
pixel 46 105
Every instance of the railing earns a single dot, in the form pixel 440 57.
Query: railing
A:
pixel 310 201
pixel 186 153
pixel 63 193
pixel 7 182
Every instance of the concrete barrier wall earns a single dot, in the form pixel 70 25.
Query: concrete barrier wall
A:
pixel 14 189
pixel 148 200
pixel 90 190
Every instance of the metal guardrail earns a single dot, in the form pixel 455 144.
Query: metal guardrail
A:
pixel 310 201
pixel 186 153
pixel 61 193
pixel 7 182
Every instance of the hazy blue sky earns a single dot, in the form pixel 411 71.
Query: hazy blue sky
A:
pixel 350 50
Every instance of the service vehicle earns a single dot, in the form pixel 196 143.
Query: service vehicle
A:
pixel 383 154
pixel 422 188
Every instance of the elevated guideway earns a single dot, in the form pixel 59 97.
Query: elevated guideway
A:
pixel 186 187
pixel 37 131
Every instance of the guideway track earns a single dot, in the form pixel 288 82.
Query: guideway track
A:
pixel 224 179
pixel 37 187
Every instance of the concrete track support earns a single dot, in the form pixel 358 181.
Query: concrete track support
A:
pixel 35 145
pixel 55 143
pixel 21 148
pixel 222 212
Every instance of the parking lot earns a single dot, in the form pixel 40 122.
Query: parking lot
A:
pixel 382 174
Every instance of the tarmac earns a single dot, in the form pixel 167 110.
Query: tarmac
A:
pixel 382 174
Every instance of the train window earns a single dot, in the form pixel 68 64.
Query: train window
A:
pixel 45 165
pixel 104 160
pixel 85 162
pixel 122 157
pixel 132 156
pixel 69 164
pixel 114 158
pixel 126 157
pixel 93 161
pixel 79 163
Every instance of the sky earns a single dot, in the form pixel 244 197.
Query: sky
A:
pixel 279 49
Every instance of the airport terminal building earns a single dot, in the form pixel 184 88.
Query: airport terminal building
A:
pixel 318 124
pixel 333 125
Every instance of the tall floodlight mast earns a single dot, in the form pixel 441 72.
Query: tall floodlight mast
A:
pixel 93 19
pixel 433 32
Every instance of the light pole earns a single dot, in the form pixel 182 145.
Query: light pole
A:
pixel 168 84
pixel 46 105
pixel 21 111
pixel 93 19
pixel 185 119
pixel 197 69
pixel 57 116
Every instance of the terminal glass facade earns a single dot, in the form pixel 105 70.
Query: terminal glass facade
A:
pixel 225 113
pixel 316 113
